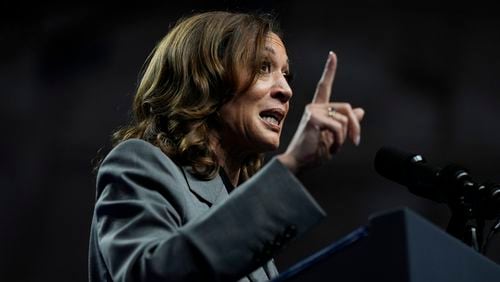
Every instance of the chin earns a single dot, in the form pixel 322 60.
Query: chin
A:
pixel 265 142
pixel 272 147
pixel 269 145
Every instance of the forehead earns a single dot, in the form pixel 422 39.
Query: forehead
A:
pixel 274 40
pixel 275 45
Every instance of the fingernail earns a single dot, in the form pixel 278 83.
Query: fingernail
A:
pixel 357 140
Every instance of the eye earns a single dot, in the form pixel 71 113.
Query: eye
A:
pixel 265 67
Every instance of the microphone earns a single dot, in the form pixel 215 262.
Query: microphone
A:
pixel 451 184
pixel 413 171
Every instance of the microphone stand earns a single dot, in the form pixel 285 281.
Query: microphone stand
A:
pixel 471 204
pixel 467 222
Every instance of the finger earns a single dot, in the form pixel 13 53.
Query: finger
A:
pixel 328 139
pixel 359 113
pixel 334 126
pixel 337 115
pixel 354 127
pixel 324 88
pixel 340 118
pixel 330 142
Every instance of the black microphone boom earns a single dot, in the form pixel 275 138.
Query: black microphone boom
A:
pixel 471 203
pixel 448 184
pixel 413 171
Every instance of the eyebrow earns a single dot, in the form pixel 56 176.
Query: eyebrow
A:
pixel 267 48
pixel 270 50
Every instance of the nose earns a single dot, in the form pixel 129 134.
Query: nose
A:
pixel 282 90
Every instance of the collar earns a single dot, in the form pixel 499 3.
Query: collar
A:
pixel 211 191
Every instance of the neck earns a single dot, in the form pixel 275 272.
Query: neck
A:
pixel 229 159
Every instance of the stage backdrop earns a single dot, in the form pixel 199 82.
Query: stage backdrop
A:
pixel 428 79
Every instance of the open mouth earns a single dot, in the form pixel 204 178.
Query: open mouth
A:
pixel 273 116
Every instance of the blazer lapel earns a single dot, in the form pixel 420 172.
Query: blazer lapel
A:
pixel 211 191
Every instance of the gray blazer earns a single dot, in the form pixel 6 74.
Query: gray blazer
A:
pixel 154 221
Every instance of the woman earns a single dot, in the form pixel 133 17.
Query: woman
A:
pixel 212 99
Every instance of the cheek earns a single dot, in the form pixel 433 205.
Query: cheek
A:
pixel 233 115
pixel 246 103
pixel 244 107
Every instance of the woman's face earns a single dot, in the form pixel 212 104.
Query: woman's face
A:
pixel 254 119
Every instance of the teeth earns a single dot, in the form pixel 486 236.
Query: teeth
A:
pixel 271 120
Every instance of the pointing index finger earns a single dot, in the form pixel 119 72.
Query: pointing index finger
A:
pixel 324 88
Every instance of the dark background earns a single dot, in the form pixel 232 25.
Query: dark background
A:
pixel 426 74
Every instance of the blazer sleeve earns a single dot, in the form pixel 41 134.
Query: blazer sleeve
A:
pixel 142 236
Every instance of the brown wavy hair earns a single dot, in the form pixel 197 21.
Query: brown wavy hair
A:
pixel 191 72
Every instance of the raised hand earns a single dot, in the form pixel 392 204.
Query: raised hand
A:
pixel 324 126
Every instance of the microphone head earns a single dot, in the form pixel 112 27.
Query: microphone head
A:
pixel 412 171
pixel 395 164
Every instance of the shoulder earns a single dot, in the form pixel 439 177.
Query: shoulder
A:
pixel 136 159
pixel 134 147
pixel 136 152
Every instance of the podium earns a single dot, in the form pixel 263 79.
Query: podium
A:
pixel 395 246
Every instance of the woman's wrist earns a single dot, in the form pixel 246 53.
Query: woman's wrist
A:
pixel 289 162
